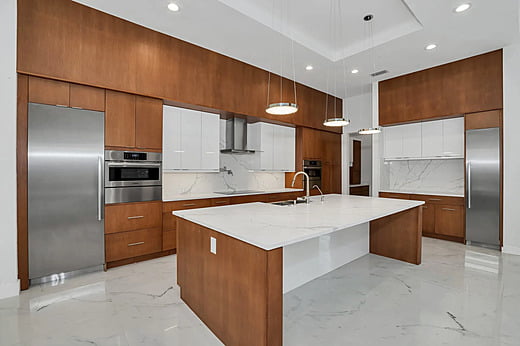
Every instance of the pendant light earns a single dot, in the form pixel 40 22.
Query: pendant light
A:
pixel 369 27
pixel 282 107
pixel 336 33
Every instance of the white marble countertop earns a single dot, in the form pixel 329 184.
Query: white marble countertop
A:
pixel 269 226
pixel 425 193
pixel 189 196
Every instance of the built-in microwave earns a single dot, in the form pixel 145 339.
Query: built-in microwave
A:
pixel 132 176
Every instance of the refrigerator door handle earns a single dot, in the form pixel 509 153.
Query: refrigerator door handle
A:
pixel 100 190
pixel 468 183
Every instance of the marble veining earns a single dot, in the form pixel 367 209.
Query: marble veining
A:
pixel 370 301
pixel 424 176
pixel 268 226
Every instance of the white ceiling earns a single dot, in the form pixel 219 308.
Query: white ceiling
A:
pixel 252 31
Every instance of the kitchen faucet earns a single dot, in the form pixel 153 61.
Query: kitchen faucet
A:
pixel 318 188
pixel 307 190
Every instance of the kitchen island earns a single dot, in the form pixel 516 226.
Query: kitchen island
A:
pixel 234 263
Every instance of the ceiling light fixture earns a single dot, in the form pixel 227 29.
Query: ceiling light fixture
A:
pixel 336 119
pixel 370 131
pixel 173 7
pixel 430 46
pixel 463 7
pixel 282 107
pixel 354 71
pixel 309 67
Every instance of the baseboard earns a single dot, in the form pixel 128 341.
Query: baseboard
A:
pixel 511 250
pixel 9 289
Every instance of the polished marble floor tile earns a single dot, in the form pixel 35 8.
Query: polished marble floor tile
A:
pixel 459 296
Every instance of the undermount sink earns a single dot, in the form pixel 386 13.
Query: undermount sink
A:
pixel 289 202
pixel 237 192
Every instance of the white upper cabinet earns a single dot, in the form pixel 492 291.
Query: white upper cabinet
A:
pixel 431 139
pixel 190 140
pixel 403 141
pixel 274 145
pixel 443 138
pixel 453 137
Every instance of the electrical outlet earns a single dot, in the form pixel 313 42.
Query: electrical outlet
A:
pixel 213 245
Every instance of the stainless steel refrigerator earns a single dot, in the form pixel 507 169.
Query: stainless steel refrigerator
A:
pixel 483 187
pixel 65 191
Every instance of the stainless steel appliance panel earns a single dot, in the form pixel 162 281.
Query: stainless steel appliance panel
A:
pixel 65 189
pixel 483 186
pixel 133 194
pixel 313 170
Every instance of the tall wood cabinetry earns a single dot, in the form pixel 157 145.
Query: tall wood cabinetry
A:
pixel 324 146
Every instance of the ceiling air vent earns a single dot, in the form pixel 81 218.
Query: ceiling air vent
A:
pixel 379 73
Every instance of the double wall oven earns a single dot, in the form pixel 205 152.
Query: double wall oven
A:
pixel 132 176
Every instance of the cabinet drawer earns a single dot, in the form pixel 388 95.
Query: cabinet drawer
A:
pixel 188 204
pixel 249 199
pixel 449 220
pixel 132 216
pixel 438 199
pixel 220 201
pixel 394 195
pixel 169 221
pixel 123 245
pixel 169 240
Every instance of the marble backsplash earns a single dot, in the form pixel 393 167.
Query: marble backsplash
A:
pixel 424 176
pixel 175 184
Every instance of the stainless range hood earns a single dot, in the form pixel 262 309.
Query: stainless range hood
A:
pixel 236 136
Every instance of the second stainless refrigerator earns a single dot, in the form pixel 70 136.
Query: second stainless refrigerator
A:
pixel 483 187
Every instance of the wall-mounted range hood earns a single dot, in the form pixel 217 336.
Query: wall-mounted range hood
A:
pixel 236 136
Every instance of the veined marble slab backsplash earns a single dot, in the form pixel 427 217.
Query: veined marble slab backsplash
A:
pixel 424 176
pixel 175 184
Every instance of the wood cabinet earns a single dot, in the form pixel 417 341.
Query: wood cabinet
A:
pixel 465 86
pixel 133 121
pixel 58 93
pixel 191 140
pixel 132 230
pixel 363 190
pixel 443 216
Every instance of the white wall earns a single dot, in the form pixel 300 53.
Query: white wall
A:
pixel 511 145
pixel 9 285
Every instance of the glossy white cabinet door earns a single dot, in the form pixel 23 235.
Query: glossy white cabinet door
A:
pixel 191 132
pixel 210 138
pixel 284 148
pixel 393 142
pixel 453 137
pixel 432 139
pixel 172 149
pixel 266 147
pixel 412 142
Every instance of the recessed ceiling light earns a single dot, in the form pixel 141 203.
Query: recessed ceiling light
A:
pixel 355 71
pixel 462 7
pixel 309 67
pixel 431 46
pixel 173 7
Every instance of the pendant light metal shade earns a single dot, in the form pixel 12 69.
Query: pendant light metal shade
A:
pixel 282 108
pixel 370 131
pixel 336 122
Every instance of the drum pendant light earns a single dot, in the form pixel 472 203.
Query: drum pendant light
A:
pixel 335 120
pixel 282 107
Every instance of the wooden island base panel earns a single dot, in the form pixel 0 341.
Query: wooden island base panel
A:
pixel 238 291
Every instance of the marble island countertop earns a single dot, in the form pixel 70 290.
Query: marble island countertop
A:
pixel 188 196
pixel 433 193
pixel 269 226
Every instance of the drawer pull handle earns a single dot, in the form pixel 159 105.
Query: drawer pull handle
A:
pixel 425 207
pixel 190 204
pixel 135 217
pixel 135 244
pixel 221 202
pixel 435 199
pixel 449 209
